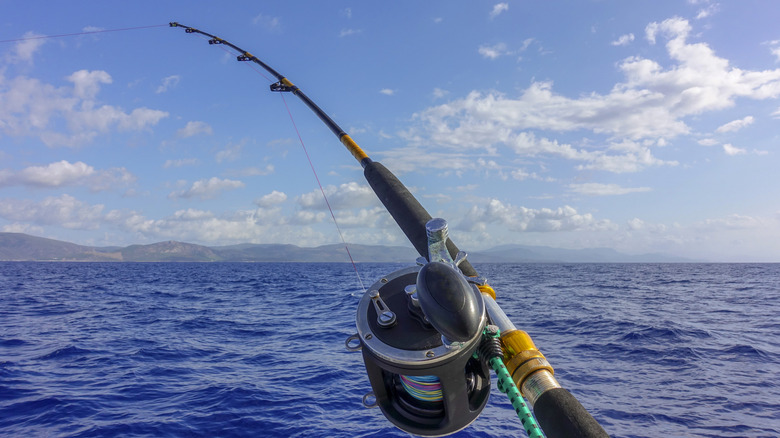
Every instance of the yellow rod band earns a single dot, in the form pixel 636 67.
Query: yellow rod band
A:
pixel 353 148
pixel 486 289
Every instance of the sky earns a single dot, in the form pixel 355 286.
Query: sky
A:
pixel 646 127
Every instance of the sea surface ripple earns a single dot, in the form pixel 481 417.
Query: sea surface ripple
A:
pixel 257 349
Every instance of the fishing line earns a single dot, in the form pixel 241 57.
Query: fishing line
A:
pixel 87 32
pixel 212 40
pixel 306 152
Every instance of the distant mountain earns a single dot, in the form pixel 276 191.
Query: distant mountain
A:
pixel 23 247
pixel 18 246
pixel 536 254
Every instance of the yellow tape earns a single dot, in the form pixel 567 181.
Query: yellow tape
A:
pixel 353 148
pixel 486 289
pixel 521 356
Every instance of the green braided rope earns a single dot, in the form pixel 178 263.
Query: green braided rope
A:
pixel 507 386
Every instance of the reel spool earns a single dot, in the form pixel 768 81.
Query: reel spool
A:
pixel 418 330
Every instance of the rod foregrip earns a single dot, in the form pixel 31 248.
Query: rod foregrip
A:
pixel 410 216
pixel 561 415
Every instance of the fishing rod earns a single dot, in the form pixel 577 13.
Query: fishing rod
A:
pixel 430 333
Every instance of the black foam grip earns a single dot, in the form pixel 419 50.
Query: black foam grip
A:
pixel 560 415
pixel 406 210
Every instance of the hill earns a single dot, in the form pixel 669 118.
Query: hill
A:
pixel 23 247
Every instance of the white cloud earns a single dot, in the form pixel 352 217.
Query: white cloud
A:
pixel 86 84
pixel 387 91
pixel 522 219
pixel 252 171
pixel 706 12
pixel 624 40
pixel 651 104
pixel 168 83
pixel 597 189
pixel 498 9
pixel 272 199
pixel 349 32
pixel 31 108
pixel 207 188
pixel 64 210
pixel 735 125
pixel 347 13
pixel 65 174
pixel 732 150
pixel 732 222
pixel 271 24
pixel 708 142
pixel 180 162
pixel 346 196
pixel 193 128
pixel 775 49
pixel 23 228
pixel 231 152
pixel 24 50
pixel 495 51
pixel 439 93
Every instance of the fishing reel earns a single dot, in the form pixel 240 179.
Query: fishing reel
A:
pixel 419 329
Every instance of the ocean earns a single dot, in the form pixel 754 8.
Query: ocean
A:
pixel 257 349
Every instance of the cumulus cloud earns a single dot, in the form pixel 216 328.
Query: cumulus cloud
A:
pixel 22 228
pixel 65 174
pixel 498 9
pixel 624 40
pixel 650 105
pixel 598 189
pixel 736 125
pixel 194 128
pixel 207 188
pixel 346 196
pixel 86 84
pixel 522 219
pixel 272 199
pixel 64 210
pixel 24 50
pixel 29 107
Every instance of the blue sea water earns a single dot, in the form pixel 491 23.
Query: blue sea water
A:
pixel 221 349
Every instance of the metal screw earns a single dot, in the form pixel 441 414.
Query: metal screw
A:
pixel 430 353
pixel 368 336
pixel 386 317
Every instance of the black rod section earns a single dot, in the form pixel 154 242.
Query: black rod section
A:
pixel 407 211
pixel 560 415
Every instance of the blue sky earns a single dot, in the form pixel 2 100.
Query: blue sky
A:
pixel 639 126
